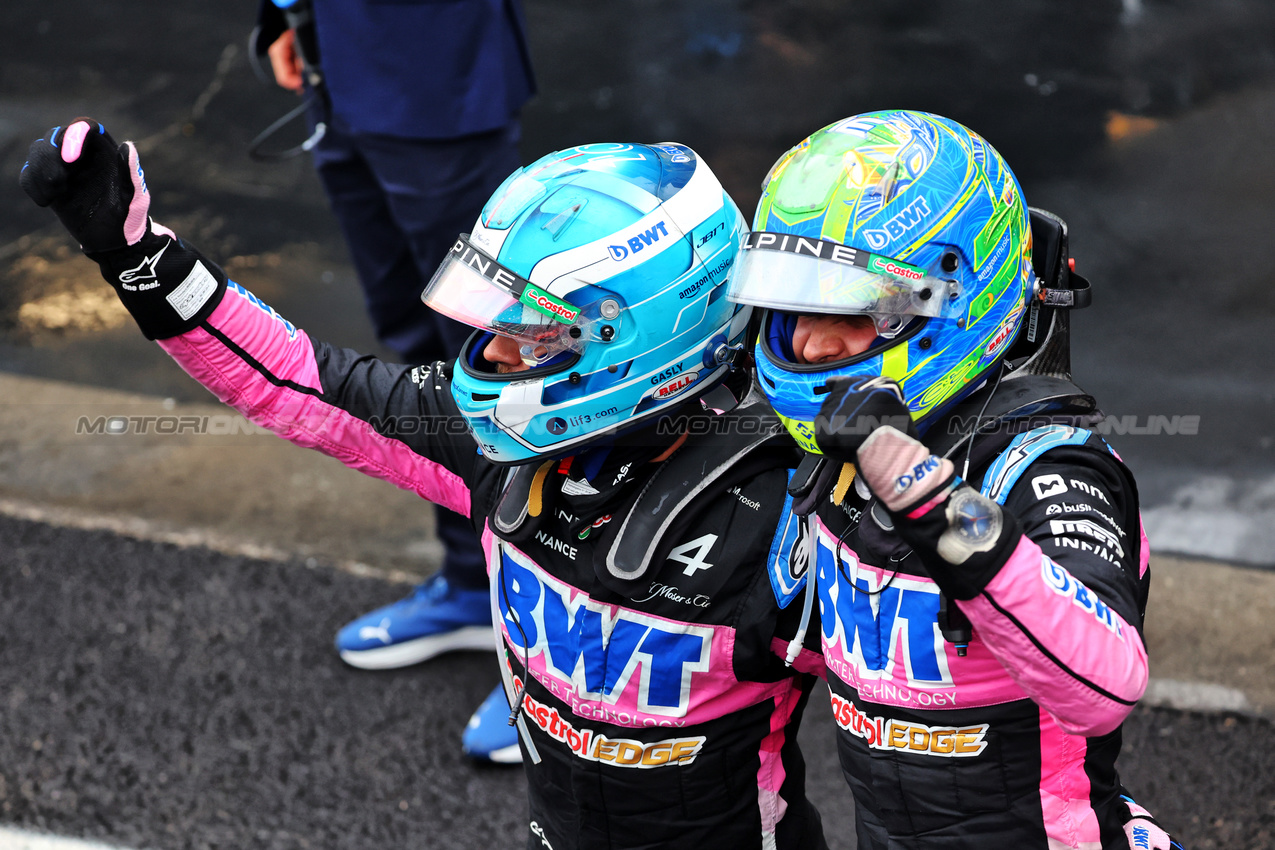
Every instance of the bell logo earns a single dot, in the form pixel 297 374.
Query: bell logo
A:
pixel 675 387
pixel 618 252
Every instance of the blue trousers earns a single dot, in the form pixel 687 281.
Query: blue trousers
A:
pixel 400 204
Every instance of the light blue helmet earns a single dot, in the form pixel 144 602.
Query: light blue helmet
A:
pixel 608 264
pixel 908 218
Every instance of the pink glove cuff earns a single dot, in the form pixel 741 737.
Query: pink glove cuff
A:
pixel 900 470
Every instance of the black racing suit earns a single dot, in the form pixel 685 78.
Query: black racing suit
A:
pixel 661 711
pixel 1011 741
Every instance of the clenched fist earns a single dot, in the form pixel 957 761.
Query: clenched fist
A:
pixel 95 186
pixel 853 409
pixel 98 190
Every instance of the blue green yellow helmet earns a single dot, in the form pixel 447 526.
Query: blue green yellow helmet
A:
pixel 904 216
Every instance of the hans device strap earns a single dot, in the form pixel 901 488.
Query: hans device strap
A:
pixel 703 461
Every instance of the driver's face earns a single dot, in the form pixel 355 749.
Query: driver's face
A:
pixel 824 339
pixel 503 351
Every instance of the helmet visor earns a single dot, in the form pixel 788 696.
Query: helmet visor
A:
pixel 473 288
pixel 802 275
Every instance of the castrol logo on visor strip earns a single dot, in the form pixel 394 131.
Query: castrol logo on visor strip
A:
pixel 883 265
pixel 544 302
pixel 519 287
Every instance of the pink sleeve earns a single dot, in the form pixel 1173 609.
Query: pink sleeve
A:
pixel 259 364
pixel 1071 653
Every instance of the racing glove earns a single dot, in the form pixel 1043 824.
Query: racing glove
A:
pixel 98 190
pixel 962 537
pixel 855 408
pixel 1142 830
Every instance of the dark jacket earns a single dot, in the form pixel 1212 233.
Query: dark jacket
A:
pixel 421 69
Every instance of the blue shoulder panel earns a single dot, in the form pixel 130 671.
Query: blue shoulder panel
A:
pixel 1022 452
pixel 789 552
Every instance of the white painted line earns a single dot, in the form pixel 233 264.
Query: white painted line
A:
pixel 142 529
pixel 20 839
pixel 1194 696
pixel 1218 518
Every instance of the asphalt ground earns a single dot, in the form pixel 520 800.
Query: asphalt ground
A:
pixel 1145 123
pixel 161 696
pixel 168 600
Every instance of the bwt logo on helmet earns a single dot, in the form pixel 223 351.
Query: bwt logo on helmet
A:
pixel 907 218
pixel 638 242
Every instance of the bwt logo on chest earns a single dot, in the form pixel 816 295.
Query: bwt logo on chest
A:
pixel 878 628
pixel 638 242
pixel 598 648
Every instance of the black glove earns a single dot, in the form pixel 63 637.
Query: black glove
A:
pixel 853 409
pixel 98 190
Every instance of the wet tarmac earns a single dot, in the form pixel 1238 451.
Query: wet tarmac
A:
pixel 166 697
pixel 1145 123
pixel 163 697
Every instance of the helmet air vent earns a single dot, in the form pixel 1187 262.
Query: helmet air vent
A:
pixel 889 179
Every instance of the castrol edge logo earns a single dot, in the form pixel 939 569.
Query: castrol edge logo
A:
pixel 621 752
pixel 889 733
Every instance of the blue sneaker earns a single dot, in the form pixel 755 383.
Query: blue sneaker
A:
pixel 488 735
pixel 436 618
